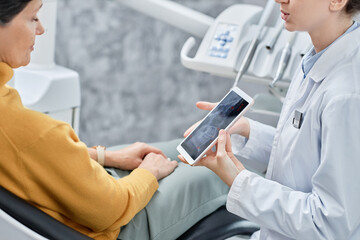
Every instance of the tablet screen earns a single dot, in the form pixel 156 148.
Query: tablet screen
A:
pixel 220 117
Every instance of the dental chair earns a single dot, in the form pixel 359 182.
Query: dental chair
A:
pixel 20 220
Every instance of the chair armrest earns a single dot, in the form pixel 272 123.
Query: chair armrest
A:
pixel 220 224
pixel 35 219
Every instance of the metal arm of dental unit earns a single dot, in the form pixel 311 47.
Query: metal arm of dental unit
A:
pixel 187 19
pixel 284 59
pixel 279 28
pixel 255 42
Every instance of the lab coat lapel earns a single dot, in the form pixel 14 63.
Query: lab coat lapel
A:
pixel 336 52
pixel 301 90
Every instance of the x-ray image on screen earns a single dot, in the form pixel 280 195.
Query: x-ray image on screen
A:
pixel 231 106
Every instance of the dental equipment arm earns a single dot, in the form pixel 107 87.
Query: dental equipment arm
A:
pixel 270 6
pixel 284 59
pixel 273 41
pixel 248 57
pixel 184 18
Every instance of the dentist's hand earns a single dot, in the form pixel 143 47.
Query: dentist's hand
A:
pixel 222 162
pixel 130 157
pixel 158 165
pixel 241 127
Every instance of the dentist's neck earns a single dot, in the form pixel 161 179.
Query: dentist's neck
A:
pixel 329 31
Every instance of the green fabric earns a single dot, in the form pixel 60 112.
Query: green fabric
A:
pixel 183 198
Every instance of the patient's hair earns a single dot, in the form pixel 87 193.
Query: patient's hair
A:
pixel 10 8
pixel 353 7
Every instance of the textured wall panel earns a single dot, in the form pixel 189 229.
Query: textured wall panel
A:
pixel 134 87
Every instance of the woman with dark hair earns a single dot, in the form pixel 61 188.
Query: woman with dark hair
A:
pixel 38 154
pixel 19 34
pixel 312 184
pixel 43 161
pixel 9 9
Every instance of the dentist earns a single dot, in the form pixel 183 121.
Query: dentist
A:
pixel 312 184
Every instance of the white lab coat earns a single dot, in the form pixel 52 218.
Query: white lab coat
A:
pixel 312 185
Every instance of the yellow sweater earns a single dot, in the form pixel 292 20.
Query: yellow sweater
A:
pixel 43 162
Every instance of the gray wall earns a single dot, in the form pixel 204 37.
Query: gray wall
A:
pixel 134 87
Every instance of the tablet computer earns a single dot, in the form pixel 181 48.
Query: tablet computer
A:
pixel 223 116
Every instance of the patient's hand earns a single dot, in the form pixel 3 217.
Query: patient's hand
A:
pixel 158 165
pixel 130 157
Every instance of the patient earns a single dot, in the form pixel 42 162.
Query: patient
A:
pixel 44 162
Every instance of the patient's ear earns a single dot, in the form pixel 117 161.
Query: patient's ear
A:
pixel 337 5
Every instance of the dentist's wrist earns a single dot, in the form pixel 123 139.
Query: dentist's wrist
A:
pixel 229 175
